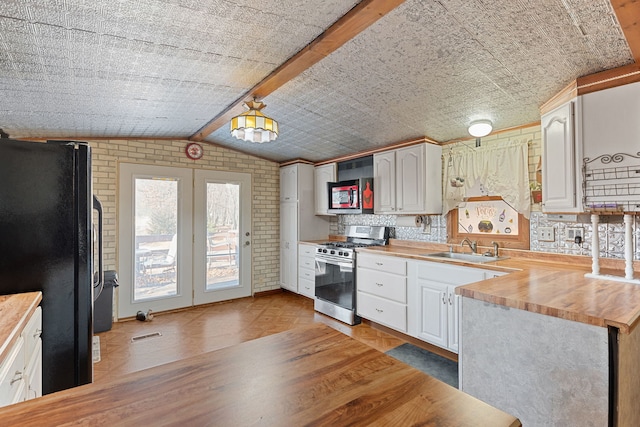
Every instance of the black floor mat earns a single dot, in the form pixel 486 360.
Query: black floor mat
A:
pixel 437 366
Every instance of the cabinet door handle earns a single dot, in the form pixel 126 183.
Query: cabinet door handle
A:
pixel 37 333
pixel 444 299
pixel 16 377
pixel 379 284
pixel 450 301
pixel 379 263
pixel 379 310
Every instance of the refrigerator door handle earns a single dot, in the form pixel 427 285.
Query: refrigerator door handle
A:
pixel 99 284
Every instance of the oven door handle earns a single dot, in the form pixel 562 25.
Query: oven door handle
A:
pixel 345 266
pixel 342 265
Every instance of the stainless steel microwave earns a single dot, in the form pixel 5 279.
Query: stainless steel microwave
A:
pixel 351 197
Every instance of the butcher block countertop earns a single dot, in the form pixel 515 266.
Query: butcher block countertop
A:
pixel 548 284
pixel 312 375
pixel 15 312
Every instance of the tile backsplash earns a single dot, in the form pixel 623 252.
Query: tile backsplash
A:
pixel 436 232
pixel 611 233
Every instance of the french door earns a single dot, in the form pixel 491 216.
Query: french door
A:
pixel 222 242
pixel 184 237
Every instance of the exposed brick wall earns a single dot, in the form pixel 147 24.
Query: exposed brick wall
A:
pixel 108 154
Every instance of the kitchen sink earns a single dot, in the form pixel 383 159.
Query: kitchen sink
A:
pixel 474 258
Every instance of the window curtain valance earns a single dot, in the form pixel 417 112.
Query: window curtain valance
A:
pixel 502 168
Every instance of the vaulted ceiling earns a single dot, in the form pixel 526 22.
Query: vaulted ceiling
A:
pixel 340 76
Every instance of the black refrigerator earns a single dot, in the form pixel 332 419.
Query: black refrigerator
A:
pixel 46 244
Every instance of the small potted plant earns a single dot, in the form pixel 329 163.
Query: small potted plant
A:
pixel 536 191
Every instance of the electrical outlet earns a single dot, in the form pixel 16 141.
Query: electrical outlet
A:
pixel 546 234
pixel 573 232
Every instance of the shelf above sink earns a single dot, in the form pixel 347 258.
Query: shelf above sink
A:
pixel 473 258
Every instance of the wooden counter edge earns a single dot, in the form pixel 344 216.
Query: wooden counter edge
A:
pixel 28 307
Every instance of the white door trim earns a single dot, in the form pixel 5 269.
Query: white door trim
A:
pixel 127 307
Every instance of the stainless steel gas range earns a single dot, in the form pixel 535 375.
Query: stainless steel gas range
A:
pixel 336 271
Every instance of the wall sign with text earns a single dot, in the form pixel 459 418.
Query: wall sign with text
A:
pixel 487 217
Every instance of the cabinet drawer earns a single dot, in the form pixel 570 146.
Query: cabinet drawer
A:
pixel 383 311
pixel 307 274
pixel 306 251
pixel 307 262
pixel 306 287
pixel 12 375
pixel 388 264
pixel 32 332
pixel 384 285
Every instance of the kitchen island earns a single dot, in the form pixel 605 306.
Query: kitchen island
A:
pixel 310 375
pixel 572 342
pixel 545 343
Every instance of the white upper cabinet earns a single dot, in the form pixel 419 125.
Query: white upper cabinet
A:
pixel 323 174
pixel 561 155
pixel 611 121
pixel 611 148
pixel 601 123
pixel 408 180
pixel 384 184
pixel 289 183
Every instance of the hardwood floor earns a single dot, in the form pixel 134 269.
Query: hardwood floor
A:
pixel 201 329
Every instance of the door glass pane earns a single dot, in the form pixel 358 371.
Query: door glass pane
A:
pixel 223 205
pixel 156 220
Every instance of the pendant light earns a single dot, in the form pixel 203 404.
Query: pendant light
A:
pixel 253 125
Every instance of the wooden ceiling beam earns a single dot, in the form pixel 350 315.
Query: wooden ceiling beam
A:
pixel 628 14
pixel 344 29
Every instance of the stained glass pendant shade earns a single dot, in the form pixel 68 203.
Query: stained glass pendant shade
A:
pixel 253 125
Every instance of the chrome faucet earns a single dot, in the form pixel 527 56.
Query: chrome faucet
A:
pixel 472 245
pixel 495 248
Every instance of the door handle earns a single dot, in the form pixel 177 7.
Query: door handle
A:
pixel 99 284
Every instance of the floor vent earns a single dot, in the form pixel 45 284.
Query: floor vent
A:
pixel 144 337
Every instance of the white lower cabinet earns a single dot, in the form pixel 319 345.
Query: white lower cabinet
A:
pixel 12 382
pixel 417 298
pixel 434 306
pixel 33 355
pixel 21 370
pixel 306 270
pixel 382 290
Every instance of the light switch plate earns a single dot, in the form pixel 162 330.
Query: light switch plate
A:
pixel 546 234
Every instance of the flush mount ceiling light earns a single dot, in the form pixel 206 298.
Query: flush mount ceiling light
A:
pixel 254 126
pixel 480 128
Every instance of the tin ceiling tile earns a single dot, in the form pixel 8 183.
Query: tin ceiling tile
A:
pixel 164 68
